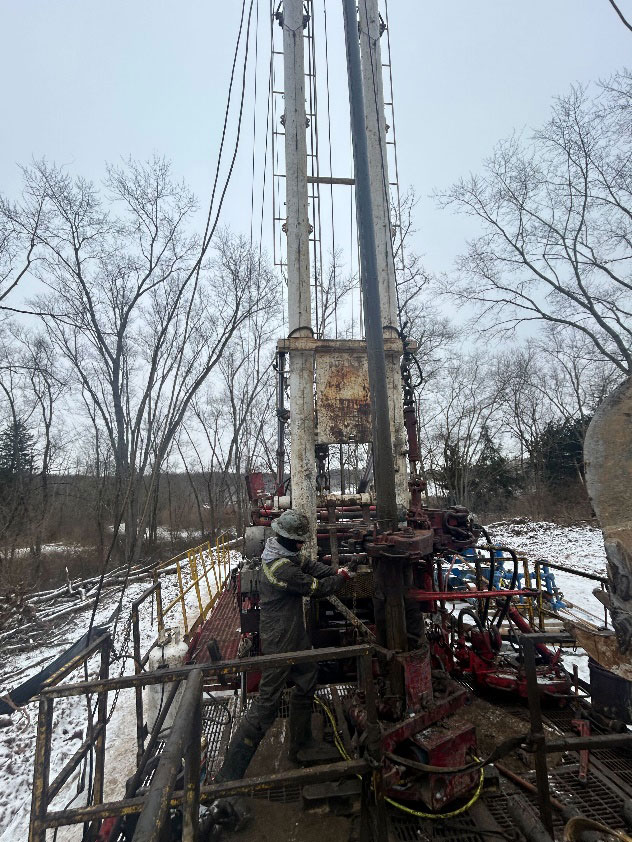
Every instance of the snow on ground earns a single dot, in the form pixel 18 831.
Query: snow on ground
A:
pixel 580 547
pixel 52 549
pixel 17 741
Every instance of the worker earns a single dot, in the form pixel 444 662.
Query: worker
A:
pixel 284 582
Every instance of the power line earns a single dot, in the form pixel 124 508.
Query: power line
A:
pixel 620 13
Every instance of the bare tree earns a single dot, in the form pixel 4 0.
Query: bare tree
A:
pixel 32 384
pixel 460 416
pixel 419 316
pixel 138 315
pixel 622 17
pixel 332 291
pixel 234 414
pixel 19 240
pixel 46 383
pixel 556 215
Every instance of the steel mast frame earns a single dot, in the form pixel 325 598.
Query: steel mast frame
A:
pixel 387 413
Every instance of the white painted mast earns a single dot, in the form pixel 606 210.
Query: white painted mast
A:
pixel 301 377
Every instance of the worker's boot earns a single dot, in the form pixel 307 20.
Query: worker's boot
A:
pixel 233 812
pixel 240 752
pixel 303 748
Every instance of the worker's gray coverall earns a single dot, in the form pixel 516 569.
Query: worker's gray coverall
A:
pixel 283 584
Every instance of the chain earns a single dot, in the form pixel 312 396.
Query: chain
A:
pixel 407 377
pixel 322 479
pixel 122 656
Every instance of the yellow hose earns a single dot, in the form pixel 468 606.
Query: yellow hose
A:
pixel 396 804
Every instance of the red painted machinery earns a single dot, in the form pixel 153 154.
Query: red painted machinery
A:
pixel 454 630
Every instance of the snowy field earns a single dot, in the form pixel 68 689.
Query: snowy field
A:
pixel 578 546
pixel 17 740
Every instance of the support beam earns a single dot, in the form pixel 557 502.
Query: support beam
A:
pixel 375 121
pixel 301 376
pixel 373 90
pixel 326 179
pixel 380 417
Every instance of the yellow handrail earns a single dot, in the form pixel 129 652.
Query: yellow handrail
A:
pixel 202 560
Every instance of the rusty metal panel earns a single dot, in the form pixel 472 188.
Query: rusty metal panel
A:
pixel 342 397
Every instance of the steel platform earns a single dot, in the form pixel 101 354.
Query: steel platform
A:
pixel 221 625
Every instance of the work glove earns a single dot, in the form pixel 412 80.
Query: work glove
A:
pixel 346 573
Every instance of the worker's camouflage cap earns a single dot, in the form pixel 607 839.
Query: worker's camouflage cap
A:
pixel 293 525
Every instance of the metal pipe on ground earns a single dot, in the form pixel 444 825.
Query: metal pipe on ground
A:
pixel 135 780
pixel 566 810
pixel 527 643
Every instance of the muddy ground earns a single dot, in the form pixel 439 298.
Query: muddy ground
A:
pixel 279 822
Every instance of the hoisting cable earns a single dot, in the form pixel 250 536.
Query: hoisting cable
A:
pixel 254 132
pixel 418 813
pixel 208 235
pixel 268 135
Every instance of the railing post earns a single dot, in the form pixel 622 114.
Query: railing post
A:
pixel 194 575
pixel 140 725
pixel 39 801
pixel 527 584
pixel 159 614
pixel 537 733
pixel 215 576
pixel 219 552
pixel 538 584
pixel 192 762
pixel 374 751
pixel 182 602
pixel 102 715
pixel 202 550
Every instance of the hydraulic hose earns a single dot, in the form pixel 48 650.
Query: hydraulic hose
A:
pixel 490 582
pixel 418 813
pixel 470 613
pixel 501 750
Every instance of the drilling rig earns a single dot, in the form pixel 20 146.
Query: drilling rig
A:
pixel 425 625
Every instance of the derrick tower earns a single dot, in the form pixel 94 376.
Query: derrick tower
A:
pixel 340 395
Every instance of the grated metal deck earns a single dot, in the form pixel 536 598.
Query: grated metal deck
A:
pixel 221 625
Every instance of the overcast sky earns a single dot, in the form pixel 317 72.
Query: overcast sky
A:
pixel 87 82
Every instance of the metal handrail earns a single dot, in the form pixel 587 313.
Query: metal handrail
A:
pixel 184 741
pixel 45 790
pixel 202 561
pixel 209 559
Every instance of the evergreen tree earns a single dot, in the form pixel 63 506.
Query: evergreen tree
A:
pixel 16 451
pixel 559 452
pixel 494 478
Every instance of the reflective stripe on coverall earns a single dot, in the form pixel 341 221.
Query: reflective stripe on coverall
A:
pixel 284 583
